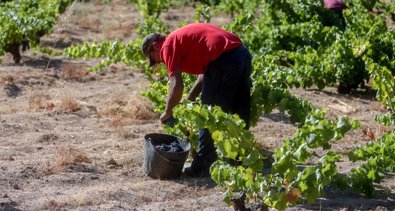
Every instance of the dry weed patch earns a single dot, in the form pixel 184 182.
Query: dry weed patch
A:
pixel 8 110
pixel 72 71
pixel 81 199
pixel 69 155
pixel 65 156
pixel 109 28
pixel 133 107
pixel 69 103
pixel 39 101
pixel 118 125
pixel 126 28
pixel 90 23
pixel 53 204
pixel 127 110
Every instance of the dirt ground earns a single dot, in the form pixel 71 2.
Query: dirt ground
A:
pixel 71 139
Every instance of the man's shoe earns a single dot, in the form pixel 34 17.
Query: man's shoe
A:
pixel 191 172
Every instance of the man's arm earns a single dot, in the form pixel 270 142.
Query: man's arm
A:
pixel 175 94
pixel 196 89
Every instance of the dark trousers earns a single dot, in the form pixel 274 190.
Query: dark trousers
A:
pixel 227 84
pixel 339 14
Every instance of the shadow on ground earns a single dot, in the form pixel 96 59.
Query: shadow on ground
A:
pixel 205 182
pixel 365 94
pixel 336 199
pixel 43 62
pixel 278 117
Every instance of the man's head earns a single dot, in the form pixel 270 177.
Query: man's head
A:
pixel 149 45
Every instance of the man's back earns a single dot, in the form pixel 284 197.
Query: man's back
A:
pixel 192 47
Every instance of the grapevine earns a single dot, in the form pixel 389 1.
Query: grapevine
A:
pixel 23 22
pixel 296 43
pixel 111 52
pixel 380 159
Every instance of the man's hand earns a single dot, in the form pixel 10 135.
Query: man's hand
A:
pixel 165 116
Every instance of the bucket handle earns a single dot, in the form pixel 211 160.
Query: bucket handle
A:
pixel 167 160
pixel 170 161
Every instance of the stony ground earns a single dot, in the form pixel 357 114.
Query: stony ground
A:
pixel 71 139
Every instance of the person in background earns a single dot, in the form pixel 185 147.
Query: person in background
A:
pixel 337 6
pixel 223 68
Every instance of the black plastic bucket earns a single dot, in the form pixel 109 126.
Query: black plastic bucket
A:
pixel 160 164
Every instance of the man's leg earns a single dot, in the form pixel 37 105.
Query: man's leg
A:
pixel 221 86
pixel 206 155
pixel 227 83
pixel 241 104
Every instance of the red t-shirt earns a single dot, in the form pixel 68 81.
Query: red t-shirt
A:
pixel 192 47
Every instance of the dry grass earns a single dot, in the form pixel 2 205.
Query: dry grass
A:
pixel 69 103
pixel 39 101
pixel 144 198
pixel 132 106
pixel 118 125
pixel 7 110
pixel 100 20
pixel 126 28
pixel 35 102
pixel 90 23
pixel 69 155
pixel 81 199
pixel 110 29
pixel 72 71
pixel 52 204
pixel 64 156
